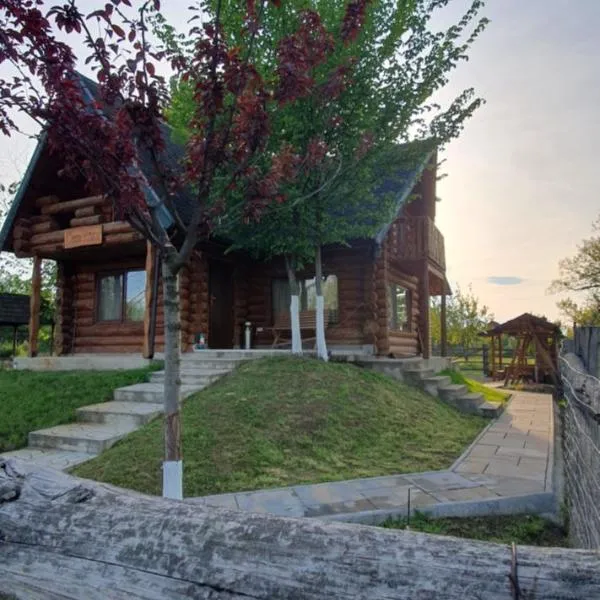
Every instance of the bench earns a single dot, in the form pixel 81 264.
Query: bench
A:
pixel 282 323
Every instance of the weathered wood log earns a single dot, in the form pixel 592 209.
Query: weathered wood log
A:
pixel 34 305
pixel 44 226
pixel 46 238
pixel 71 205
pixel 86 211
pixel 111 340
pixel 123 238
pixel 117 227
pixel 64 537
pixel 108 349
pixel 46 201
pixel 22 232
pixel 85 221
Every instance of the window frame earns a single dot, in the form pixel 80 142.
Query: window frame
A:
pixel 336 313
pixel 393 324
pixel 114 273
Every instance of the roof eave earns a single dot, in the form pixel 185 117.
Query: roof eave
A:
pixel 407 190
pixel 18 199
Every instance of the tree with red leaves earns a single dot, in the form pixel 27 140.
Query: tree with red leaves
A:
pixel 108 138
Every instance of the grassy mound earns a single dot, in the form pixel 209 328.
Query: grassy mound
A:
pixel 30 400
pixel 283 421
pixel 493 395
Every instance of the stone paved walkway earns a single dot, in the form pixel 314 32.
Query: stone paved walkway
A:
pixel 507 469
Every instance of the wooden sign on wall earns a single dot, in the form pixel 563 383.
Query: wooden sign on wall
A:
pixel 83 236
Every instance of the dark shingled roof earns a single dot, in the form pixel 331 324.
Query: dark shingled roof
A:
pixel 411 160
pixel 524 323
pixel 14 309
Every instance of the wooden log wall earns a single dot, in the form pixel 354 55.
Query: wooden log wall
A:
pixel 381 300
pixel 64 309
pixel 91 335
pixel 403 343
pixel 197 300
pixel 240 304
pixel 42 234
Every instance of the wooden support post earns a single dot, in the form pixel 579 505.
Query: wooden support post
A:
pixel 424 310
pixel 34 306
pixel 150 301
pixel 444 325
pixel 492 371
pixel 14 352
pixel 500 350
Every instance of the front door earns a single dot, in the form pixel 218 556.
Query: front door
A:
pixel 220 334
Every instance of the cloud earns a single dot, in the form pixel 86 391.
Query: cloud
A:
pixel 505 280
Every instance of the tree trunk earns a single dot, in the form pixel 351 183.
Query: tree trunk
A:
pixel 173 464
pixel 320 332
pixel 294 307
pixel 65 538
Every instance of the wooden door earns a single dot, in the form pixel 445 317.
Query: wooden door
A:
pixel 220 334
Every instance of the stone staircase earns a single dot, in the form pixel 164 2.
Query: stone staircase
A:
pixel 423 373
pixel 99 426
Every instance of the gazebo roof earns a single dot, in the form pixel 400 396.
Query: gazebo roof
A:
pixel 525 323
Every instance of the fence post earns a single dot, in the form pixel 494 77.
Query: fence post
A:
pixel 486 359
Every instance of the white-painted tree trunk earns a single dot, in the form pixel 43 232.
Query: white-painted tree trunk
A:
pixel 172 465
pixel 320 322
pixel 294 308
pixel 295 324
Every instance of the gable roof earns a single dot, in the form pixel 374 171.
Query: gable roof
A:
pixel 412 159
pixel 525 323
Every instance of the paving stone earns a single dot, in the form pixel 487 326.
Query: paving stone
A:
pixel 391 497
pixel 491 439
pixel 276 502
pixel 507 469
pixel 515 486
pixel 311 495
pixel 381 482
pixel 221 500
pixel 460 495
pixel 441 480
pixel 520 452
pixel 482 451
pixel 472 465
pixel 336 508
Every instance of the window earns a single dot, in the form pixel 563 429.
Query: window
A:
pixel 121 296
pixel 399 307
pixel 308 295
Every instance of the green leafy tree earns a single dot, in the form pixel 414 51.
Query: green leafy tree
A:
pixel 581 273
pixel 379 85
pixel 466 318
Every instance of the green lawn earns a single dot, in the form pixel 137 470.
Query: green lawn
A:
pixel 34 400
pixel 530 530
pixel 492 395
pixel 283 421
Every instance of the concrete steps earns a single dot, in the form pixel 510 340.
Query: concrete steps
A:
pixel 135 414
pixel 91 438
pixel 422 373
pixel 150 392
pixel 99 426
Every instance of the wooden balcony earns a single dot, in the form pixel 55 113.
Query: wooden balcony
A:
pixel 415 238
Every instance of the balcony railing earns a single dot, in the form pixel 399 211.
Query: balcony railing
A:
pixel 417 238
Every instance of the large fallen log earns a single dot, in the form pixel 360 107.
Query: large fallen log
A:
pixel 62 537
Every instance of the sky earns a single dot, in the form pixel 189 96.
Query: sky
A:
pixel 519 192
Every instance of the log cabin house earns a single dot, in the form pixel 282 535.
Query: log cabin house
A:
pixel 377 290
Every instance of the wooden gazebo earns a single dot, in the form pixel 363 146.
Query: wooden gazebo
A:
pixel 529 331
pixel 14 312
